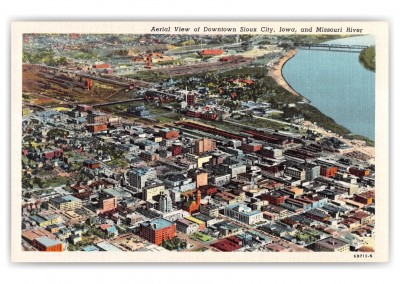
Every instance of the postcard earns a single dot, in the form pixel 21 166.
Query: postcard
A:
pixel 200 142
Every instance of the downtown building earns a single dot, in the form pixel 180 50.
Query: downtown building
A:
pixel 157 230
pixel 139 176
pixel 243 214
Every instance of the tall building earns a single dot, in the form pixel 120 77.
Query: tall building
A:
pixel 139 176
pixel 209 210
pixel 312 171
pixel 151 190
pixel 200 160
pixel 204 145
pixel 165 203
pixel 231 167
pixel 200 177
pixel 193 203
pixel 107 202
pixel 157 230
pixel 179 182
pixel 190 99
pixel 295 172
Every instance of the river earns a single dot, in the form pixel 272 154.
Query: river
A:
pixel 337 84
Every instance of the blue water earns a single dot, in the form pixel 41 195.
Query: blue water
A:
pixel 337 84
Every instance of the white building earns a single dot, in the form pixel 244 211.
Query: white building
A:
pixel 139 176
pixel 243 214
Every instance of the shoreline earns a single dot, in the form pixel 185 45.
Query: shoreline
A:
pixel 355 145
pixel 276 73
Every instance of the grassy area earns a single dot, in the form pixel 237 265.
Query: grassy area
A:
pixel 47 182
pixel 201 237
pixel 367 58
pixel 191 47
pixel 174 244
pixel 120 108
pixel 168 62
pixel 118 163
pixel 224 125
pixel 43 55
pixel 307 238
pixel 157 110
pixel 73 155
pixel 257 72
pixel 84 55
pixel 86 241
pixel 262 123
pixel 149 76
pixel 362 138
pixel 170 118
pixel 314 115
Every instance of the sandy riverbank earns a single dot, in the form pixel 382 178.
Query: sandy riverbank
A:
pixel 276 72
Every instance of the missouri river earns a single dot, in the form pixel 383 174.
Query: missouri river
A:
pixel 337 84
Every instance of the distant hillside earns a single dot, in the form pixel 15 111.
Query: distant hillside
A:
pixel 367 58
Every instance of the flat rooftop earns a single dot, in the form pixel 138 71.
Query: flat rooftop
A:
pixel 332 243
pixel 47 242
pixel 158 223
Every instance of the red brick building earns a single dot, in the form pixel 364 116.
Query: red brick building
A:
pixel 94 128
pixel 359 172
pixel 31 235
pixel 365 198
pixel 107 202
pixel 204 145
pixel 97 118
pixel 101 65
pixel 190 99
pixel 84 108
pixel 52 154
pixel 193 205
pixel 176 149
pixel 251 148
pixel 328 171
pixel 193 113
pixel 92 164
pixel 157 230
pixel 169 134
pixel 211 52
pixel 201 178
pixel 275 198
pixel 209 115
pixel 47 244
pixel 229 244
pixel 208 189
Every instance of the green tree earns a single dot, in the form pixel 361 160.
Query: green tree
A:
pixel 250 115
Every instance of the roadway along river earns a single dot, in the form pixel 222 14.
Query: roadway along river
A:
pixel 337 84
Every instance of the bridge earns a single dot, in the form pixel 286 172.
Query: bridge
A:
pixel 330 47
